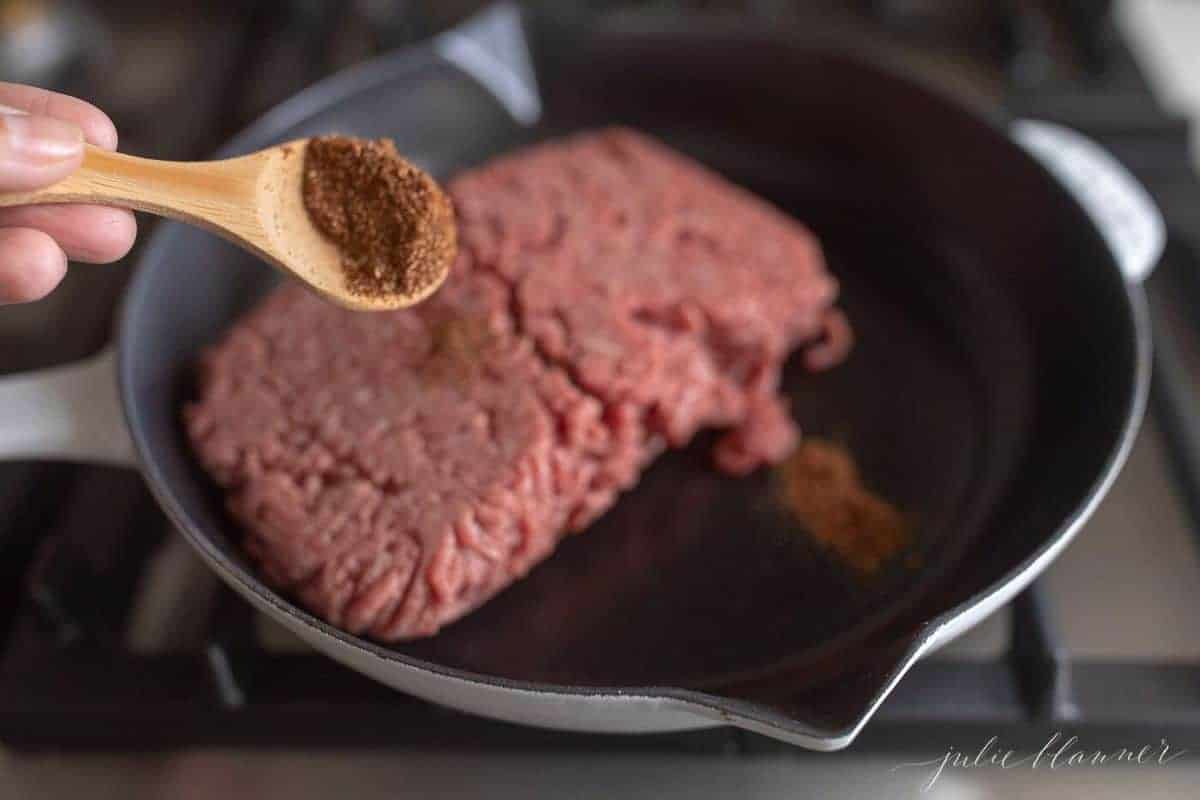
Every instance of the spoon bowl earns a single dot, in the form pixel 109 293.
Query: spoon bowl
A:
pixel 255 201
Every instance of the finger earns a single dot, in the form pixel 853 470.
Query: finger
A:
pixel 97 128
pixel 94 234
pixel 31 265
pixel 36 151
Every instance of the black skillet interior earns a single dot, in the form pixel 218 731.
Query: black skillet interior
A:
pixel 992 379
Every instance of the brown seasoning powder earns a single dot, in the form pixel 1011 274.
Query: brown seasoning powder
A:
pixel 457 348
pixel 822 487
pixel 391 221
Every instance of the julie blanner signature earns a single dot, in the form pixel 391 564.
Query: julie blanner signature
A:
pixel 1059 752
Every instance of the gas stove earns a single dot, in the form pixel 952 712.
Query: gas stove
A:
pixel 114 636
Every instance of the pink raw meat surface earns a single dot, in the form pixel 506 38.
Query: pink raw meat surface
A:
pixel 657 284
pixel 394 471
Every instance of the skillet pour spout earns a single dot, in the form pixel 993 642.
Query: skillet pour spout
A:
pixel 983 315
pixel 821 715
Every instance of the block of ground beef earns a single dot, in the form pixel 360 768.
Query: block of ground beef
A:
pixel 393 471
pixel 660 287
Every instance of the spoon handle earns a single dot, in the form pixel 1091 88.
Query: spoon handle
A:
pixel 213 194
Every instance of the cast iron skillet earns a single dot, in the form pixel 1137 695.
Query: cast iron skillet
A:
pixel 1000 374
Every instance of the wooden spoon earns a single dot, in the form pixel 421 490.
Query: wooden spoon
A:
pixel 254 201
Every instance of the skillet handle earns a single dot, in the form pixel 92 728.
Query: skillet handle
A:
pixel 491 47
pixel 69 413
pixel 1121 208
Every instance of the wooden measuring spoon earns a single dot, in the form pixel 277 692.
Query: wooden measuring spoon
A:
pixel 254 201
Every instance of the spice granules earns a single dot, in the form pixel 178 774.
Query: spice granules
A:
pixel 457 347
pixel 391 221
pixel 821 485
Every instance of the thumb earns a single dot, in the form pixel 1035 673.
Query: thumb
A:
pixel 36 151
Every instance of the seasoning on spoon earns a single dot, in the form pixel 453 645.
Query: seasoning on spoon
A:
pixel 391 221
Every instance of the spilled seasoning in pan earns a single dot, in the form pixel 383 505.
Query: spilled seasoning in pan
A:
pixel 822 487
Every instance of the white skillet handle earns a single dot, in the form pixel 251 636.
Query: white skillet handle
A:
pixel 1123 210
pixel 491 47
pixel 68 413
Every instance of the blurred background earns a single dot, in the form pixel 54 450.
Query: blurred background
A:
pixel 127 671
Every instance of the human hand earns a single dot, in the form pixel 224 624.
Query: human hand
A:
pixel 41 141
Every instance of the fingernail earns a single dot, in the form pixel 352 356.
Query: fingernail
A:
pixel 40 140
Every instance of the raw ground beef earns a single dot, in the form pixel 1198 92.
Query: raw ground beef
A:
pixel 393 471
pixel 655 283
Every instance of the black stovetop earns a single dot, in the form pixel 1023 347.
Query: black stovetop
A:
pixel 112 635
